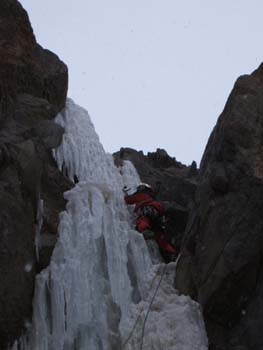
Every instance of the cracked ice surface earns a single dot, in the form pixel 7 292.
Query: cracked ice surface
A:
pixel 100 271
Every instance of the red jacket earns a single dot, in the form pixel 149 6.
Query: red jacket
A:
pixel 142 200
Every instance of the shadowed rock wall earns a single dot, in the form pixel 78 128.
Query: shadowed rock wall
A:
pixel 33 88
pixel 221 263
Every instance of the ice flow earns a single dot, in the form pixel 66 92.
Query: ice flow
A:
pixel 97 283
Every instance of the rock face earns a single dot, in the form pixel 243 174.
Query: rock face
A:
pixel 221 262
pixel 33 88
pixel 175 183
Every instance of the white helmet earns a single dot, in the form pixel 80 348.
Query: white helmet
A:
pixel 143 187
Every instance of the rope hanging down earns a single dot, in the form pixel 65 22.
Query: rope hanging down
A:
pixel 138 317
pixel 148 311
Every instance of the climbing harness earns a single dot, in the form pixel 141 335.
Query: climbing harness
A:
pixel 149 308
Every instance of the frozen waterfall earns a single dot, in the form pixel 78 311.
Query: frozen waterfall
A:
pixel 98 282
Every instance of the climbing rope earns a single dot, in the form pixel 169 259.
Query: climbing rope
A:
pixel 138 317
pixel 149 309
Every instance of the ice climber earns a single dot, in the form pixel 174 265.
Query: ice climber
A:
pixel 150 216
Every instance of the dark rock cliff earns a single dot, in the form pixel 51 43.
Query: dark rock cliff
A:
pixel 33 88
pixel 221 262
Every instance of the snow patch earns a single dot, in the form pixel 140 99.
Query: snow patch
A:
pixel 39 223
pixel 28 267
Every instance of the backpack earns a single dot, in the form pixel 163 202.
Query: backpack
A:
pixel 157 220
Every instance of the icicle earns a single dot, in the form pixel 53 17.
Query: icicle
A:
pixel 39 223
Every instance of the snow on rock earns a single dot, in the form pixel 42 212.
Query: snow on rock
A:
pixel 100 271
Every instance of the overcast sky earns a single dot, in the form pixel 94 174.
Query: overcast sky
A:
pixel 152 73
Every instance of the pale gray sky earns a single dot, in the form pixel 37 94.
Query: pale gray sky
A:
pixel 152 73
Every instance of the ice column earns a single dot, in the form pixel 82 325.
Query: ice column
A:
pixel 82 300
pixel 98 279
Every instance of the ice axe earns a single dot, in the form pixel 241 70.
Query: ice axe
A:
pixel 126 190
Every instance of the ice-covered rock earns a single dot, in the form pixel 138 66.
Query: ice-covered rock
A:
pixel 100 271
